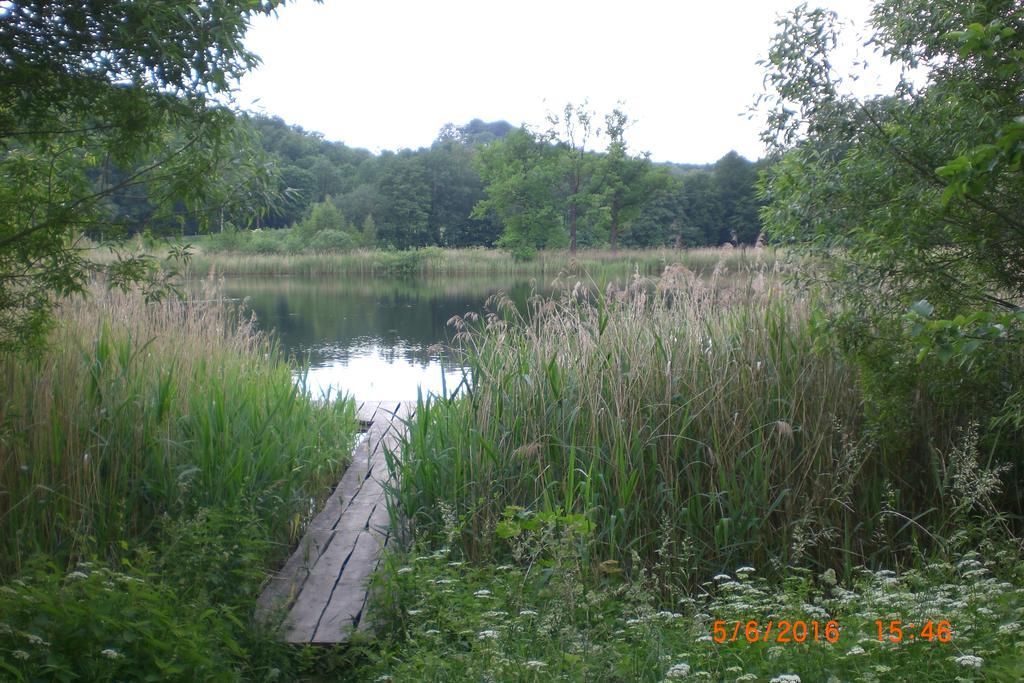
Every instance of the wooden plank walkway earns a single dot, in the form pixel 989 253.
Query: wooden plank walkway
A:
pixel 320 594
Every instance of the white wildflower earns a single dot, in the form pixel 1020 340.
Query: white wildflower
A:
pixel 456 564
pixel 680 670
pixel 487 635
pixel 856 650
pixel 722 577
pixel 1012 627
pixel 746 677
pixel 405 570
pixel 35 640
pixel 703 639
pixel 786 678
pixel 111 653
pixel 745 570
pixel 78 575
pixel 970 661
pixel 535 664
pixel 431 632
pixel 483 593
pixel 774 652
pixel 384 677
pixel 527 613
pixel 414 612
pixel 19 654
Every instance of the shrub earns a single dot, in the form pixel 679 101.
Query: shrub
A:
pixel 333 241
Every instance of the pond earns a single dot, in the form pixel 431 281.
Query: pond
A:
pixel 376 338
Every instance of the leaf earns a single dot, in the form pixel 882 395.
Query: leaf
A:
pixel 508 529
pixel 922 308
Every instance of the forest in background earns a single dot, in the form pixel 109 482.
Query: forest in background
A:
pixel 479 184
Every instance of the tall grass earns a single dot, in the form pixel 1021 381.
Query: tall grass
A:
pixel 432 260
pixel 137 412
pixel 696 425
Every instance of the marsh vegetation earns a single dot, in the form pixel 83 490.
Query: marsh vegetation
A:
pixel 669 437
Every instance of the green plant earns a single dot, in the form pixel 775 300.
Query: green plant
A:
pixel 448 619
pixel 102 625
pixel 138 411
pixel 703 402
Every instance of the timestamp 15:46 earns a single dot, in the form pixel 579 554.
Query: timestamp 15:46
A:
pixel 898 631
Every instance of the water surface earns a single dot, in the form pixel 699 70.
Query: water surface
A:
pixel 377 338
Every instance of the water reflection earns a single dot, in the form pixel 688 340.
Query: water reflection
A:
pixel 375 338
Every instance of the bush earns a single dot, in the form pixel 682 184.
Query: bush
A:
pixel 265 242
pixel 96 624
pixel 333 241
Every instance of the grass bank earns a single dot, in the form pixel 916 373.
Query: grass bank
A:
pixel 207 257
pixel 156 460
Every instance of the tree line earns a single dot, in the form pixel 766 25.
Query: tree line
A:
pixel 484 184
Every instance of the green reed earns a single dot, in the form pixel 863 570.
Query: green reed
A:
pixel 139 410
pixel 693 420
pixel 431 260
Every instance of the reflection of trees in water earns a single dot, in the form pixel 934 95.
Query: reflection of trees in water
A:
pixel 421 356
pixel 402 318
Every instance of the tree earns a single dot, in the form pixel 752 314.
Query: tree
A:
pixel 521 175
pixel 97 98
pixel 922 188
pixel 624 183
pixel 455 188
pixel 403 196
pixel 571 132
pixel 736 184
pixel 913 198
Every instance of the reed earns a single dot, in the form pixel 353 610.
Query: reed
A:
pixel 432 260
pixel 139 412
pixel 692 420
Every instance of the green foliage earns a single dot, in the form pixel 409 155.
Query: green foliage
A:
pixel 369 232
pixel 534 620
pixel 322 217
pixel 601 407
pixel 912 199
pixel 183 478
pixel 100 99
pixel 520 176
pixel 624 183
pixel 333 241
pixel 102 625
pixel 122 423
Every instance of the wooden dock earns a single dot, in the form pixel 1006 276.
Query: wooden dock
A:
pixel 320 595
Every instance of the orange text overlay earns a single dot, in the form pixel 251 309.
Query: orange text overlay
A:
pixel 814 631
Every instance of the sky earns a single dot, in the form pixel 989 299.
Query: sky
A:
pixel 388 74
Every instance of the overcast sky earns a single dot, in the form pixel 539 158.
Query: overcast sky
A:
pixel 387 74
